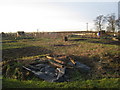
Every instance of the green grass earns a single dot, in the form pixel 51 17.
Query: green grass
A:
pixel 103 83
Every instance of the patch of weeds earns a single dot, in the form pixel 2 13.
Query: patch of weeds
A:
pixel 12 70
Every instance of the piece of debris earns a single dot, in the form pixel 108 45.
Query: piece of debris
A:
pixel 54 69
pixel 115 39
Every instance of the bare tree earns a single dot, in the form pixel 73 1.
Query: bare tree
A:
pixel 110 18
pixel 99 22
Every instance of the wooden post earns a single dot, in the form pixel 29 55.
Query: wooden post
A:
pixel 66 38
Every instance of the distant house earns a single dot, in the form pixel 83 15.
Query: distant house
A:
pixel 20 33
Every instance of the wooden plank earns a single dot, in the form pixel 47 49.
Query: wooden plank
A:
pixel 72 61
pixel 55 64
pixel 57 60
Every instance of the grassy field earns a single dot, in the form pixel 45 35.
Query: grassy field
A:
pixel 101 55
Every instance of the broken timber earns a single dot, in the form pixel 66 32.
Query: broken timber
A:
pixel 55 60
pixel 60 61
pixel 56 71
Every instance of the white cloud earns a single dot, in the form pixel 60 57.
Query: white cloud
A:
pixel 44 18
pixel 26 16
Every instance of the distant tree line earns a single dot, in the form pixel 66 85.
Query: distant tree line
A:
pixel 107 22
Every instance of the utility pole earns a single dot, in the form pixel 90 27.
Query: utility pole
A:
pixel 87 26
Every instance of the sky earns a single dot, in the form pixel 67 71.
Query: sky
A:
pixel 52 15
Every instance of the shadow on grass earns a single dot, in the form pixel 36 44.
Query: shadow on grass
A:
pixel 81 74
pixel 77 39
pixel 13 53
pixel 99 41
pixel 99 68
pixel 8 41
pixel 60 45
pixel 107 42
